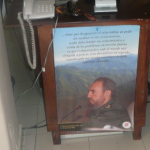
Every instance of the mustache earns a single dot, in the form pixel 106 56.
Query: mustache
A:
pixel 90 99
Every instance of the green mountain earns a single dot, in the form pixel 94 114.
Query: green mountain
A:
pixel 74 80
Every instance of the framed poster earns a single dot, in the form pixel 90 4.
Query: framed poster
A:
pixel 95 73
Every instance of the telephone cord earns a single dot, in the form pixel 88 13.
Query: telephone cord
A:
pixel 43 68
pixel 32 65
pixel 23 61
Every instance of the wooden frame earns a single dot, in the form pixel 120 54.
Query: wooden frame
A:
pixel 45 36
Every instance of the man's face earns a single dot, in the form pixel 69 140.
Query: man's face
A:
pixel 96 95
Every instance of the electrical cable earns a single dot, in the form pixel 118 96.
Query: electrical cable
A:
pixel 43 68
pixel 51 42
pixel 31 86
pixel 36 126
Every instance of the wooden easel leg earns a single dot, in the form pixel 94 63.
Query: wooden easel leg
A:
pixel 56 137
pixel 137 132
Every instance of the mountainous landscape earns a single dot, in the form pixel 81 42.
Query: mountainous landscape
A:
pixel 73 81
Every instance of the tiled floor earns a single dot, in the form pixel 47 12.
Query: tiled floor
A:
pixel 30 111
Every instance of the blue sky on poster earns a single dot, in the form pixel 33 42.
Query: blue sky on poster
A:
pixel 103 38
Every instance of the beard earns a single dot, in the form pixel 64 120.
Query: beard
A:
pixel 95 104
pixel 92 104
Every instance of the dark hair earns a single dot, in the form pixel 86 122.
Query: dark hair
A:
pixel 108 84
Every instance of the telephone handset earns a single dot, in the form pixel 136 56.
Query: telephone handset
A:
pixel 38 9
pixel 34 9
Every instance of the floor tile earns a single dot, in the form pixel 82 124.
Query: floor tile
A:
pixel 44 141
pixel 116 142
pixel 27 116
pixel 19 72
pixel 14 53
pixel 146 136
pixel 8 36
pixel 41 117
pixel 29 98
pixel 40 92
pixel 28 142
pixel 41 101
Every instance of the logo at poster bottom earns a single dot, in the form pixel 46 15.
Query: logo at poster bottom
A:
pixel 126 125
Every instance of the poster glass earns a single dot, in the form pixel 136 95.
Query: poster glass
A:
pixel 95 73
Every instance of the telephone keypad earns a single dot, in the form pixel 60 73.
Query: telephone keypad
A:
pixel 44 8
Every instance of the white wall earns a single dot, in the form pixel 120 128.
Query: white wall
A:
pixel 9 128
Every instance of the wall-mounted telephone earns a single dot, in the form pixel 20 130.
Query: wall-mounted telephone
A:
pixel 34 9
pixel 38 9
